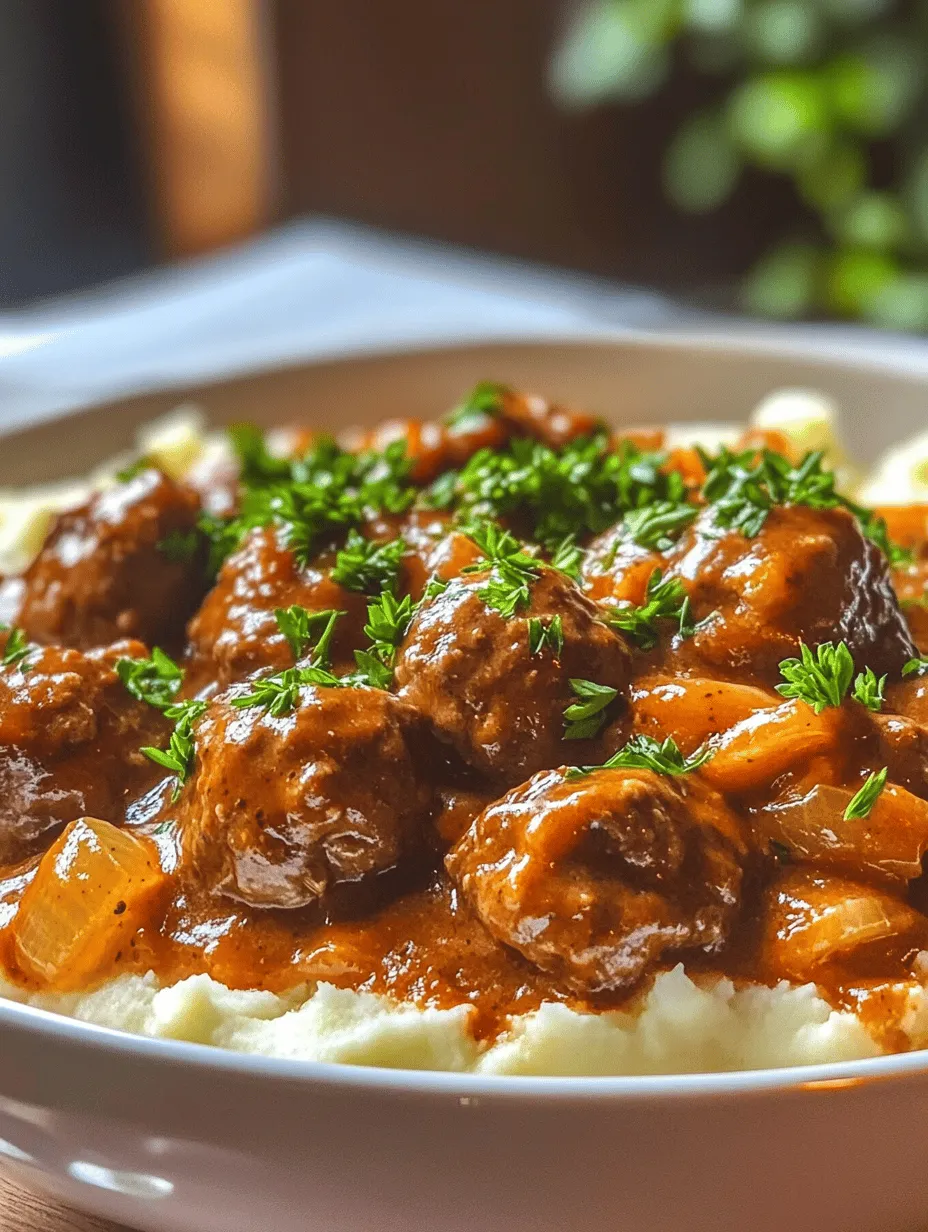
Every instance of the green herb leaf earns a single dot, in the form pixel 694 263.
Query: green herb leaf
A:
pixel 644 753
pixel 434 587
pixel 664 600
pixel 541 635
pixel 567 558
pixel 368 566
pixel 17 647
pixel 180 753
pixel 584 718
pixel 155 680
pixel 916 667
pixel 388 619
pixel 513 570
pixel 483 402
pixel 862 803
pixel 371 671
pixel 279 694
pixel 300 627
pixel 180 546
pixel 659 525
pixel 132 469
pixel 868 689
pixel 821 679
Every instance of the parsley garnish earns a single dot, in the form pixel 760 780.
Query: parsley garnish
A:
pixel 17 647
pixel 371 671
pixel 179 546
pixel 483 402
pixel 868 689
pixel 513 570
pixel 664 600
pixel 584 718
pixel 820 679
pixel 434 587
pixel 567 558
pixel 324 491
pixel 915 667
pixel 541 635
pixel 659 525
pixel 132 469
pixel 368 566
pixel 644 753
pixel 862 803
pixel 155 680
pixel 299 627
pixel 279 694
pixel 743 487
pixel 179 755
pixel 388 619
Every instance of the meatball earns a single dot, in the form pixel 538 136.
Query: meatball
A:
pixel 235 632
pixel 472 673
pixel 126 564
pixel 596 878
pixel 810 575
pixel 284 808
pixel 70 739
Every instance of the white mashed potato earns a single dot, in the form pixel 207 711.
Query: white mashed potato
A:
pixel 677 1025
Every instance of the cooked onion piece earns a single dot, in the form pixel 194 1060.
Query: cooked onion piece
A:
pixel 810 919
pixel 94 888
pixel 762 746
pixel 691 709
pixel 889 843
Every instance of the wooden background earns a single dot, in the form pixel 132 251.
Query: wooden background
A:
pixel 21 1211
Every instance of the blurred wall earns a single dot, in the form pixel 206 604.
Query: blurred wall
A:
pixel 71 209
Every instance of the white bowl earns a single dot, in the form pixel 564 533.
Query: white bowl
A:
pixel 168 1136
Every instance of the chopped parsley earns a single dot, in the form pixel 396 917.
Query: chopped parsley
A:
pixel 483 402
pixel 819 679
pixel 17 647
pixel 869 689
pixel 744 486
pixel 862 803
pixel 180 753
pixel 916 667
pixel 543 635
pixel 659 525
pixel 326 491
pixel 180 546
pixel 644 753
pixel 513 570
pixel 155 680
pixel 300 626
pixel 368 566
pixel 585 717
pixel 279 694
pixel 567 558
pixel 664 600
pixel 134 468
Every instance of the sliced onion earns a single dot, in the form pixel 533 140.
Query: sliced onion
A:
pixel 889 844
pixel 764 745
pixel 810 919
pixel 91 893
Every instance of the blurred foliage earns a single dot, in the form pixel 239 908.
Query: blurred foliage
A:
pixel 831 94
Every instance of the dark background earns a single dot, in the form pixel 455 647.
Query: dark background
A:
pixel 425 116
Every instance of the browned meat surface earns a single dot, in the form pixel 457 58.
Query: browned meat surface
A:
pixel 69 745
pixel 597 878
pixel 810 575
pixel 282 809
pixel 235 632
pixel 471 672
pixel 616 568
pixel 117 567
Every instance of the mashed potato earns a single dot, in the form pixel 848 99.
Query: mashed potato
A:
pixel 676 1025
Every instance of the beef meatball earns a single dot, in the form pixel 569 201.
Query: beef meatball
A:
pixel 810 575
pixel 281 809
pixel 596 878
pixel 471 671
pixel 235 631
pixel 126 564
pixel 70 737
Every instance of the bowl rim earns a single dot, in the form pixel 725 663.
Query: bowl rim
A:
pixel 26 1021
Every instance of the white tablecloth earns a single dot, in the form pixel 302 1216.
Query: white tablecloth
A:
pixel 322 288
